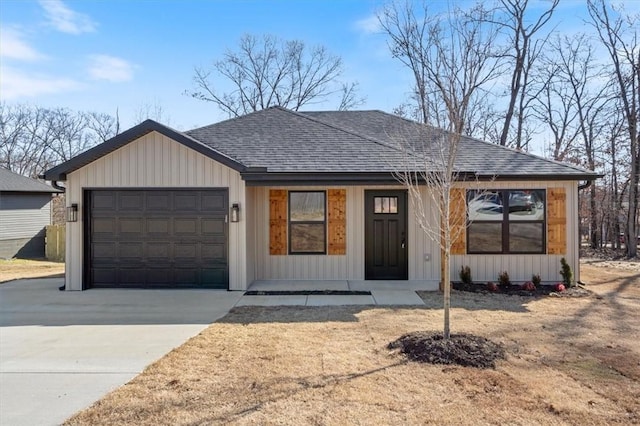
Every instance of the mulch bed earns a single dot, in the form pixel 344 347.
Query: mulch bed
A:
pixel 307 293
pixel 460 349
pixel 516 290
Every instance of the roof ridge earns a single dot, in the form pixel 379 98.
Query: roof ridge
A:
pixel 333 126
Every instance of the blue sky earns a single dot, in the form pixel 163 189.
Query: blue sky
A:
pixel 130 55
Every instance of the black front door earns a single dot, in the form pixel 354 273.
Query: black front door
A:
pixel 385 235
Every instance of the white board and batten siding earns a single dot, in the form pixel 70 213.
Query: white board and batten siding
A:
pixel 350 266
pixel 155 161
pixel 520 267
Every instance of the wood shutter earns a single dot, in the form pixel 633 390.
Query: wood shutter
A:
pixel 337 221
pixel 556 221
pixel 458 218
pixel 277 221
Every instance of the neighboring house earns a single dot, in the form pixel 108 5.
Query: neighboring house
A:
pixel 25 211
pixel 283 195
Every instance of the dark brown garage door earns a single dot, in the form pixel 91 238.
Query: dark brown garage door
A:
pixel 157 238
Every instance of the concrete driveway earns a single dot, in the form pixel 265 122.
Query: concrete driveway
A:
pixel 61 351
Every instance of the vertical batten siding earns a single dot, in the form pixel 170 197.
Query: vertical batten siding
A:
pixel 155 161
pixel 336 267
pixel 521 266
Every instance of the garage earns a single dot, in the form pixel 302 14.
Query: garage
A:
pixel 156 238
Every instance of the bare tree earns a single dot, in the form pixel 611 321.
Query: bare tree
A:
pixel 452 59
pixel 523 50
pixel 33 138
pixel 430 175
pixel 266 71
pixel 618 34
pixel 453 62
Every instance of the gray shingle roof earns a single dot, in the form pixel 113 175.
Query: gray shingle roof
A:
pixel 13 182
pixel 277 144
pixel 473 155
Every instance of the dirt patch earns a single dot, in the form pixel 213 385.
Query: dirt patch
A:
pixel 460 349
pixel 15 269
pixel 568 361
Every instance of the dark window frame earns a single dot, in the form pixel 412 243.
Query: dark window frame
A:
pixel 307 222
pixel 505 222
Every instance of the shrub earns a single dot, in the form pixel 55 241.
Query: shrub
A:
pixel 503 279
pixel 559 287
pixel 567 274
pixel 536 280
pixel 529 286
pixel 491 286
pixel 465 275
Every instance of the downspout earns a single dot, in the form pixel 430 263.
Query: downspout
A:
pixel 59 187
pixel 582 186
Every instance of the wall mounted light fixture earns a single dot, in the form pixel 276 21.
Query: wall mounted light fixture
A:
pixel 72 213
pixel 235 212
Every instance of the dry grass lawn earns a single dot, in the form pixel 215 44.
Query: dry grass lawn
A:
pixel 570 361
pixel 15 269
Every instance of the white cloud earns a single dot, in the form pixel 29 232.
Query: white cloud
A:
pixel 17 84
pixel 66 20
pixel 14 47
pixel 368 25
pixel 110 68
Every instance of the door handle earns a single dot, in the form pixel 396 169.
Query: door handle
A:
pixel 402 244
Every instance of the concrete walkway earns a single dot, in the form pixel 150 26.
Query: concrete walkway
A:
pixel 62 351
pixel 377 297
pixel 382 293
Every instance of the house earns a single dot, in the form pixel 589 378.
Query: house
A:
pixel 25 211
pixel 283 195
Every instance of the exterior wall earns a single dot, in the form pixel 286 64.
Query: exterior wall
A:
pixel 155 161
pixel 351 266
pixel 521 266
pixel 23 217
pixel 335 267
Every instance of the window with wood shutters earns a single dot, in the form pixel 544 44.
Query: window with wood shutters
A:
pixel 506 221
pixel 307 222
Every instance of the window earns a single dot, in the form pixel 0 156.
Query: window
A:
pixel 385 205
pixel 307 222
pixel 506 221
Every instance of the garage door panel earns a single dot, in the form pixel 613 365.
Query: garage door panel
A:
pixel 185 252
pixel 186 226
pixel 105 200
pixel 159 227
pixel 187 201
pixel 132 277
pixel 106 250
pixel 103 225
pixel 158 201
pixel 214 203
pixel 158 238
pixel 130 252
pixel 212 226
pixel 103 276
pixel 159 277
pixel 212 252
pixel 159 251
pixel 131 200
pixel 214 275
pixel 132 226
